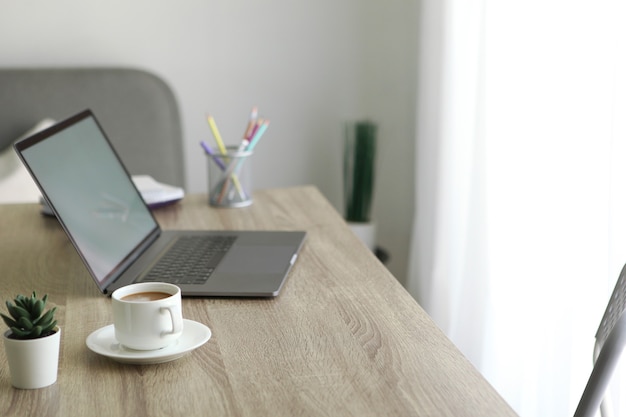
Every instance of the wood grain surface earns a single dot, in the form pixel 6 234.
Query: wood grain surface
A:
pixel 343 338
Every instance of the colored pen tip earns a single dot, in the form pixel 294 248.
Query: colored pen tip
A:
pixel 251 123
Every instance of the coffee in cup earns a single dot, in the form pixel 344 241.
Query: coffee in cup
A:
pixel 147 315
pixel 146 296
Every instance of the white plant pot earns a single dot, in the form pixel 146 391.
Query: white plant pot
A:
pixel 366 232
pixel 33 363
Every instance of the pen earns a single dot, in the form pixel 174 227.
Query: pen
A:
pixel 255 128
pixel 257 135
pixel 233 169
pixel 229 174
pixel 251 123
pixel 252 144
pixel 220 145
pixel 231 166
pixel 210 152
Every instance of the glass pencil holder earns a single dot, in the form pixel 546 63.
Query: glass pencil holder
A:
pixel 230 178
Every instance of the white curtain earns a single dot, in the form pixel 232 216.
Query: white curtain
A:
pixel 520 224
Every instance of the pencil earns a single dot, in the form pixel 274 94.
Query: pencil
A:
pixel 216 134
pixel 222 147
pixel 229 174
pixel 251 122
pixel 257 135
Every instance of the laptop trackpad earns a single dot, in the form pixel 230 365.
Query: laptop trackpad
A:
pixel 256 259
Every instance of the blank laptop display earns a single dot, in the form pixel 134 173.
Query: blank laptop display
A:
pixel 92 195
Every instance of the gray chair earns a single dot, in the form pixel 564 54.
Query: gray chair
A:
pixel 137 109
pixel 610 342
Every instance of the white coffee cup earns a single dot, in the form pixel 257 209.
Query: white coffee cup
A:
pixel 147 315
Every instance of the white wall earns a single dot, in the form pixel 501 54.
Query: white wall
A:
pixel 309 66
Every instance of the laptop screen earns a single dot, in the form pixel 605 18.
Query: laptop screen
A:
pixel 90 191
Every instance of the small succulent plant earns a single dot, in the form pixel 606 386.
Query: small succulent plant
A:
pixel 28 320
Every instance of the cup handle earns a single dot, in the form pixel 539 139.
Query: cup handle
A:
pixel 177 321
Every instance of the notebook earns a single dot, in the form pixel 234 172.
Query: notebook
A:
pixel 94 198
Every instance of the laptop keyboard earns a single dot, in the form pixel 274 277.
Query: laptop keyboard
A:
pixel 191 260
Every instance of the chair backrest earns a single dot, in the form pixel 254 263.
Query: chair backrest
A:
pixel 137 109
pixel 610 342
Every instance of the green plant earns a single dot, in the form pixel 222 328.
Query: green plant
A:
pixel 28 320
pixel 358 171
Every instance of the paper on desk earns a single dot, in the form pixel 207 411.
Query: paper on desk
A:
pixel 155 193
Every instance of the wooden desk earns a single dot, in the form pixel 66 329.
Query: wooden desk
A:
pixel 342 339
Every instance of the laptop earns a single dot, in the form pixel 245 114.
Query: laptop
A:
pixel 94 198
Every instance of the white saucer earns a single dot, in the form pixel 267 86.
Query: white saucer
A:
pixel 103 342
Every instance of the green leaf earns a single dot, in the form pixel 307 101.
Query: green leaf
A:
pixel 8 320
pixel 21 301
pixel 50 326
pixel 36 332
pixel 17 311
pixel 19 333
pixel 359 165
pixel 24 323
pixel 46 323
pixel 46 317
pixel 38 306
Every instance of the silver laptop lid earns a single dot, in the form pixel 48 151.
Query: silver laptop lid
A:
pixel 93 197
